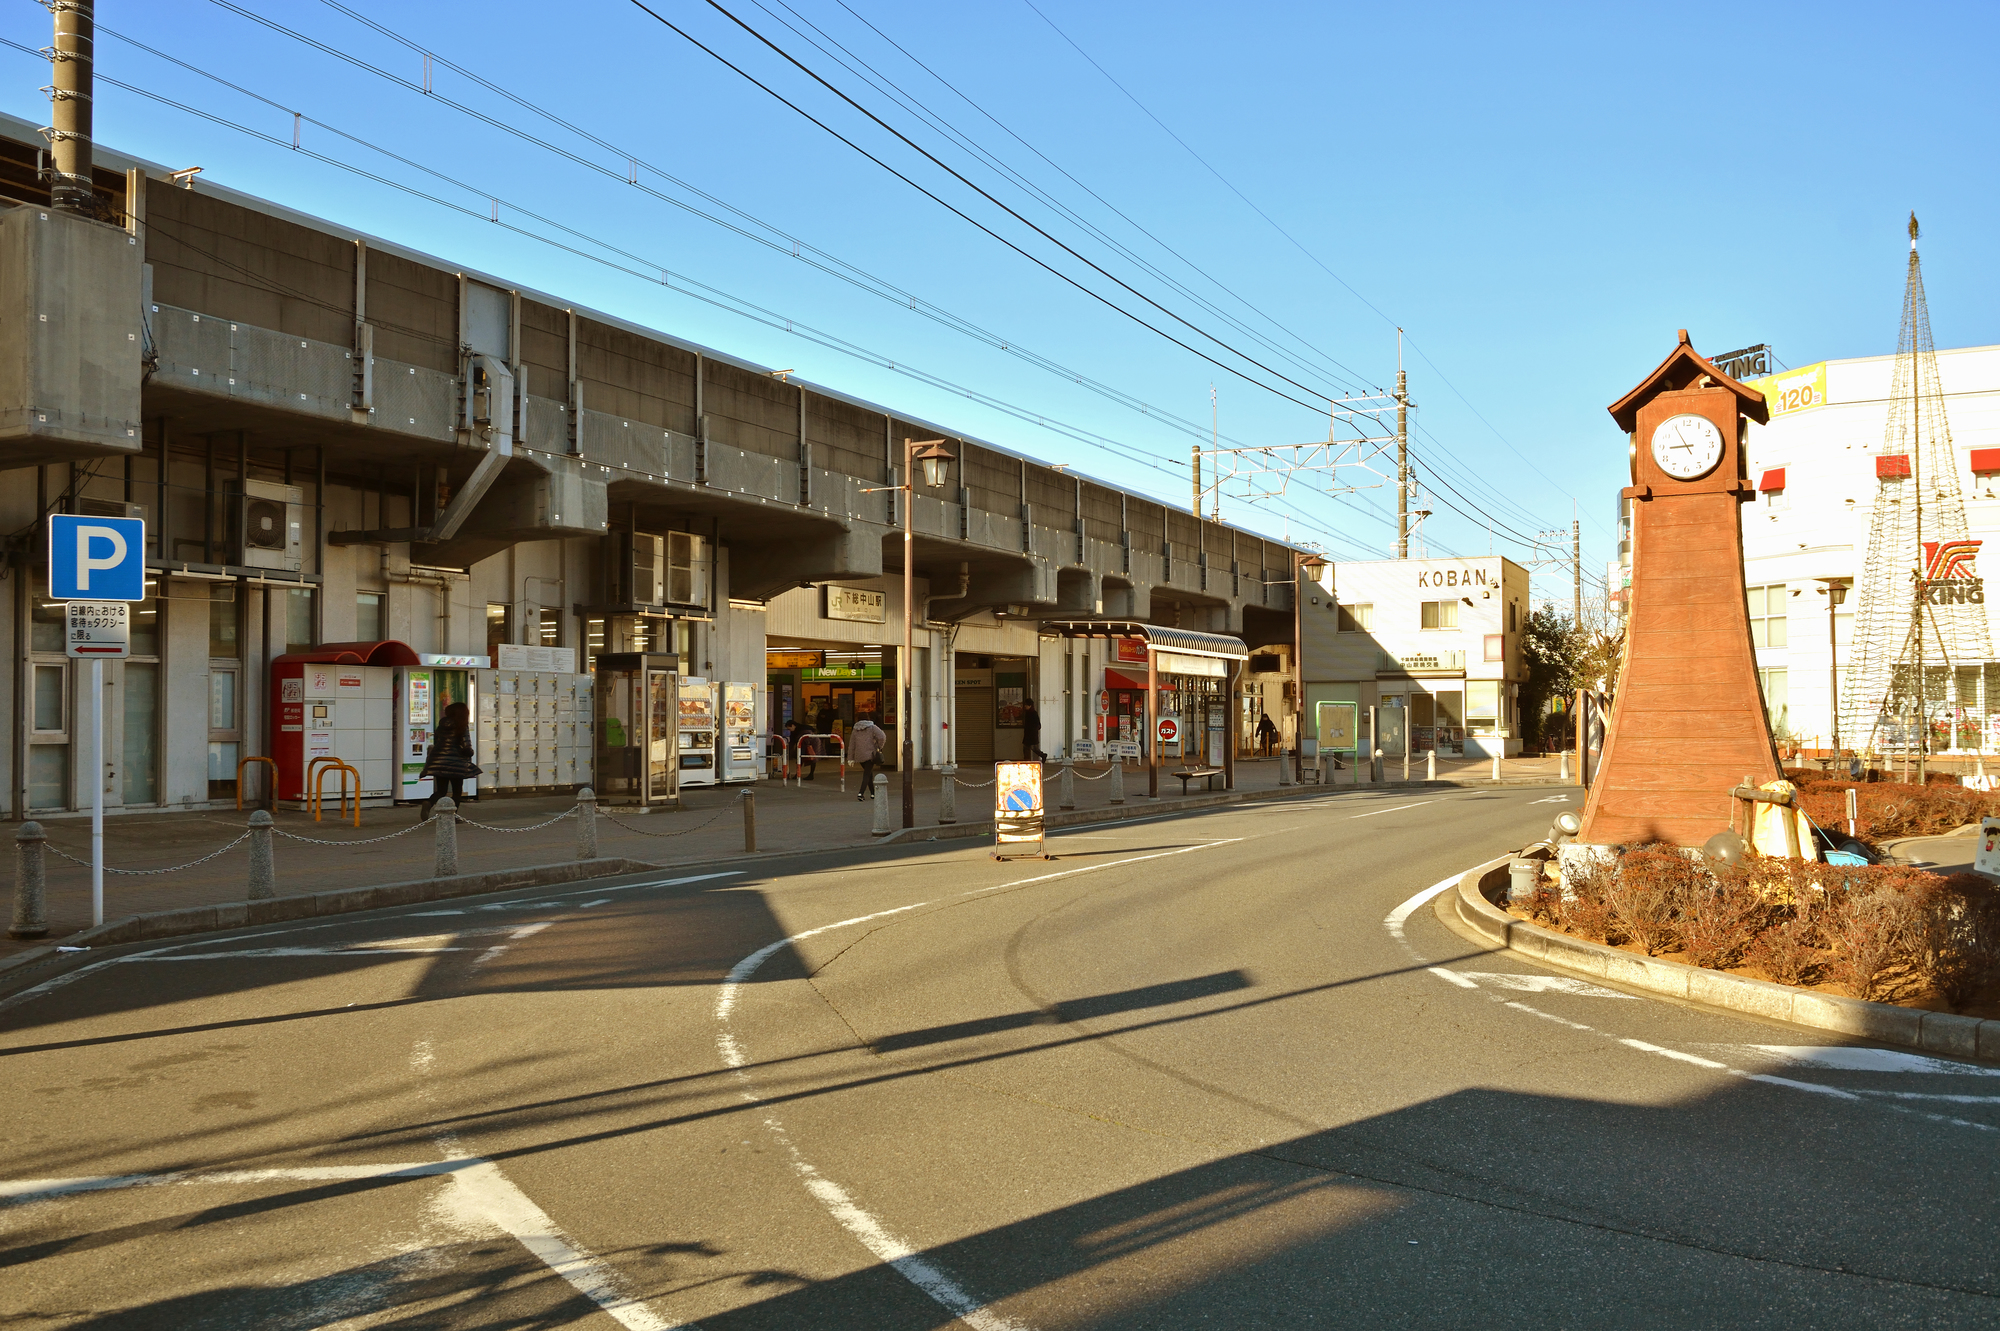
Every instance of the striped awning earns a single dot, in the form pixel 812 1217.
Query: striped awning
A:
pixel 1157 637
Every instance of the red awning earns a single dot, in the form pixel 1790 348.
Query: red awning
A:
pixel 388 652
pixel 1774 479
pixel 1888 465
pixel 1118 679
pixel 1985 461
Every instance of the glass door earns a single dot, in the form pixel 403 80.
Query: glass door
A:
pixel 663 718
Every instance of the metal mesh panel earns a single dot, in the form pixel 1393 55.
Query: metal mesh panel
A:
pixel 193 349
pixel 547 426
pixel 295 372
pixel 414 400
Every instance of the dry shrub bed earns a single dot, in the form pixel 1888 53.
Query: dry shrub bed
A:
pixel 1890 809
pixel 1888 933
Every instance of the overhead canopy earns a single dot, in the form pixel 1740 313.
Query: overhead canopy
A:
pixel 1157 637
pixel 388 652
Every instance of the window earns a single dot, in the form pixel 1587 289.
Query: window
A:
pixel 1482 704
pixel 497 618
pixel 1359 618
pixel 1777 701
pixel 1440 614
pixel 1513 618
pixel 47 626
pixel 1769 607
pixel 223 640
pixel 1496 647
pixel 299 618
pixel 550 627
pixel 49 709
pixel 369 620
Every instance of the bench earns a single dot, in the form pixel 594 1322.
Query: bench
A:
pixel 1187 774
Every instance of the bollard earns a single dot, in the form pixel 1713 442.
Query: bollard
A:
pixel 749 822
pixel 1524 878
pixel 1375 768
pixel 1068 784
pixel 1117 780
pixel 1430 764
pixel 1496 760
pixel 30 895
pixel 263 873
pixel 1563 775
pixel 1406 759
pixel 881 827
pixel 586 824
pixel 948 794
pixel 1284 771
pixel 446 814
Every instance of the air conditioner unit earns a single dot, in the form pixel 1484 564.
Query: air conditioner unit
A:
pixel 267 522
pixel 108 508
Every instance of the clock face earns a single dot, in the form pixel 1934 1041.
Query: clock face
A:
pixel 1687 446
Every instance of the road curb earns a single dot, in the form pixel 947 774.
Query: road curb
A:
pixel 336 901
pixel 1942 1033
pixel 1140 806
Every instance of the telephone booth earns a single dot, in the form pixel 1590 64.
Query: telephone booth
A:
pixel 637 728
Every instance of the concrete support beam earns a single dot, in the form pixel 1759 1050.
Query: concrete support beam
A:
pixel 759 571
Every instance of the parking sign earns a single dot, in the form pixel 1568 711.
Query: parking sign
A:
pixel 96 559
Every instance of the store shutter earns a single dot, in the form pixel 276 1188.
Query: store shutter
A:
pixel 973 724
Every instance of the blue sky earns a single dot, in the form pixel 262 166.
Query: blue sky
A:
pixel 1539 196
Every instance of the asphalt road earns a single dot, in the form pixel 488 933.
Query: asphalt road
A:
pixel 1227 1069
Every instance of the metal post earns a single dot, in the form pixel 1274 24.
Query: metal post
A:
pixel 1851 811
pixel 1402 454
pixel 96 788
pixel 586 824
pixel 1430 764
pixel 1284 771
pixel 904 721
pixel 1118 779
pixel 948 793
pixel 75 50
pixel 1374 749
pixel 749 822
pixel 881 827
pixel 1496 759
pixel 1152 724
pixel 30 893
pixel 1068 783
pixel 1582 737
pixel 1564 774
pixel 263 873
pixel 446 814
pixel 1576 567
pixel 1406 749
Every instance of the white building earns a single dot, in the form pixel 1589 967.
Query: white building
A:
pixel 1814 467
pixel 1438 637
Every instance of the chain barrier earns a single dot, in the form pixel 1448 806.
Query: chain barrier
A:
pixel 146 873
pixel 361 841
pixel 606 813
pixel 531 827
pixel 975 785
pixel 1085 777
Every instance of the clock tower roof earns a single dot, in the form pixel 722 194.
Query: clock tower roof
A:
pixel 1683 368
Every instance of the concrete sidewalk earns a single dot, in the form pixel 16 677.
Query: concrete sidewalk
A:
pixel 507 833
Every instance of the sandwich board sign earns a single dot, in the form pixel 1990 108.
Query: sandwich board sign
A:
pixel 1017 809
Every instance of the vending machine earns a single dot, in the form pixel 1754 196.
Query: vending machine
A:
pixel 422 693
pixel 742 741
pixel 698 732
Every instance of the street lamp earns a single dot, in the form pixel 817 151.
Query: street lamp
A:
pixel 1836 593
pixel 1313 565
pixel 933 457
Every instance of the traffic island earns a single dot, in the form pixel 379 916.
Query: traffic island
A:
pixel 1475 909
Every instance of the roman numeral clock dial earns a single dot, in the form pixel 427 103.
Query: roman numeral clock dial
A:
pixel 1687 447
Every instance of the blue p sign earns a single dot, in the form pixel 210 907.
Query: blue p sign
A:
pixel 96 559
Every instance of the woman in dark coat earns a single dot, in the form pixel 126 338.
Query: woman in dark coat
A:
pixel 449 761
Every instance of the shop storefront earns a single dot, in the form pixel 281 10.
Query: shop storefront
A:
pixel 1193 677
pixel 832 688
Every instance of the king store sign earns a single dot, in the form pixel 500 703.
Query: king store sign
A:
pixel 1949 577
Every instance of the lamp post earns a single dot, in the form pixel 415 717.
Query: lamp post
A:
pixel 932 456
pixel 1313 566
pixel 1836 593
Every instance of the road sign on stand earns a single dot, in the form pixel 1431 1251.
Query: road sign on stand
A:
pixel 1017 808
pixel 97 629
pixel 96 559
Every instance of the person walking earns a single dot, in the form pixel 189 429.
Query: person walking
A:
pixel 865 743
pixel 1267 733
pixel 802 751
pixel 1031 732
pixel 449 762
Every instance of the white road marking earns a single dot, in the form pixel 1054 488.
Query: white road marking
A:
pixel 1549 1016
pixel 1552 799
pixel 1664 1052
pixel 1396 918
pixel 586 905
pixel 54 983
pixel 848 1213
pixel 1453 977
pixel 1398 809
pixel 1849 1059
pixel 480 1196
pixel 1540 984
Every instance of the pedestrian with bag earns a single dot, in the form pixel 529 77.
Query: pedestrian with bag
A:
pixel 865 743
pixel 1267 734
pixel 1031 732
pixel 449 764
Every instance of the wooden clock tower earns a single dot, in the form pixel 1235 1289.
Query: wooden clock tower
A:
pixel 1688 721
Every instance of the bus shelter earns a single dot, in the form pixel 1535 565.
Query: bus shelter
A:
pixel 1185 656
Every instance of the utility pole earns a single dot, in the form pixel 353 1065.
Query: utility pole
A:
pixel 1576 562
pixel 1402 454
pixel 70 119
